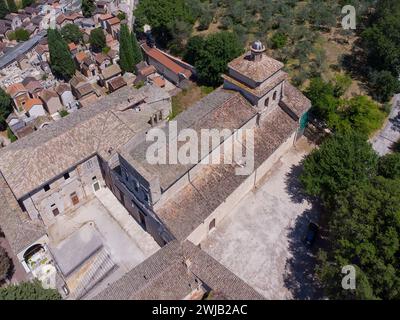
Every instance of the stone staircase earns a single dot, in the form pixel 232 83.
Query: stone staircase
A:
pixel 101 266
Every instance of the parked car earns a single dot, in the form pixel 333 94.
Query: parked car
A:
pixel 311 235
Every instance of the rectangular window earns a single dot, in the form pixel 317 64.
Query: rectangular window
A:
pixel 56 212
pixel 46 187
pixel 74 198
pixel 66 176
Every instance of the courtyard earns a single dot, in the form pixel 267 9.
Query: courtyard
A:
pixel 261 240
pixel 121 238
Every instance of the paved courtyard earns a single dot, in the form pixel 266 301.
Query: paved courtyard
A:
pixel 122 237
pixel 261 240
pixel 383 141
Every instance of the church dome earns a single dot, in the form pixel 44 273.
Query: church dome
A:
pixel 257 46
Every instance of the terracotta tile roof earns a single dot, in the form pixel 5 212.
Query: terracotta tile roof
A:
pixel 262 89
pixel 105 16
pixel 117 83
pixel 19 232
pixel 16 88
pixel 101 57
pixel 47 153
pixel 63 87
pixel 256 70
pixel 165 276
pixel 72 46
pixel 187 209
pixel 158 81
pixel 32 102
pixel 111 71
pixel 146 71
pixel 46 95
pixel 80 56
pixel 295 100
pixel 113 21
pixel 165 61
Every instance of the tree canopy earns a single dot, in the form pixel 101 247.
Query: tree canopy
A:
pixel 5 108
pixel 71 33
pixel 163 16
pixel 3 9
pixel 129 51
pixel 364 231
pixel 5 264
pixel 358 113
pixel 97 39
pixel 61 62
pixel 28 291
pixel 88 7
pixel 212 54
pixel 381 42
pixel 341 161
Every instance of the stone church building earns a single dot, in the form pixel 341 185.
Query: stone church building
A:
pixel 48 173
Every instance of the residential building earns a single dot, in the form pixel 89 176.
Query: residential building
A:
pixel 165 65
pixel 51 101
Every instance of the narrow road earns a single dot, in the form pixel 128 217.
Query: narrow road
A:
pixel 384 139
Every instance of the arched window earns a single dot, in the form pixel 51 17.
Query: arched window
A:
pixel 266 103
pixel 274 97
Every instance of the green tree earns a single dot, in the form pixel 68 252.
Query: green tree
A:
pixel 342 160
pixel 219 49
pixel 193 47
pixel 28 291
pixel 61 62
pixel 136 50
pixel 20 35
pixel 5 264
pixel 88 7
pixel 129 51
pixel 27 3
pixel 278 40
pixel 389 166
pixel 3 9
pixel 322 96
pixel 162 16
pixel 358 113
pixel 71 33
pixel 364 231
pixel 97 39
pixel 12 6
pixel 383 85
pixel 5 108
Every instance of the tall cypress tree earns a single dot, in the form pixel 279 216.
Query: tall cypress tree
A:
pixel 3 9
pixel 61 61
pixel 129 51
pixel 12 6
pixel 125 50
pixel 136 52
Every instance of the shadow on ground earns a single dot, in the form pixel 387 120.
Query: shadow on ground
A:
pixel 293 185
pixel 300 268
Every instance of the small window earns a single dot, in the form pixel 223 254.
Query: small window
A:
pixel 66 176
pixel 74 198
pixel 46 187
pixel 94 178
pixel 266 103
pixel 274 96
pixel 56 212
pixel 211 225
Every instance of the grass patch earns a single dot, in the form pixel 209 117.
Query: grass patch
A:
pixel 187 97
